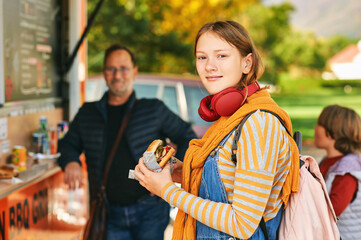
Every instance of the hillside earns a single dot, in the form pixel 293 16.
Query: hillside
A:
pixel 326 17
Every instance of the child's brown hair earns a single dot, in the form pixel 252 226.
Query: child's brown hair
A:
pixel 343 125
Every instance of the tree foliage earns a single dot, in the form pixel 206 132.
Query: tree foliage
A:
pixel 132 27
pixel 285 49
pixel 268 26
pixel 161 34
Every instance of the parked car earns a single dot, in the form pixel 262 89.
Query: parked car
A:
pixel 181 93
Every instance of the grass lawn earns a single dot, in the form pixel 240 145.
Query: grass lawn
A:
pixel 304 108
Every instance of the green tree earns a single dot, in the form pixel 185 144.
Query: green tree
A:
pixel 300 49
pixel 285 49
pixel 160 32
pixel 268 26
pixel 119 23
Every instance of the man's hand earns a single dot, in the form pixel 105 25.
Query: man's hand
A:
pixel 73 175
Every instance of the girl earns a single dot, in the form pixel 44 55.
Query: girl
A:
pixel 221 198
pixel 338 131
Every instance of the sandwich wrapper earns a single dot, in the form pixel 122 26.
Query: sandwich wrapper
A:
pixel 151 163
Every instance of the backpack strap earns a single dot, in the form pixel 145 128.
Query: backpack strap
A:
pixel 297 135
pixel 236 137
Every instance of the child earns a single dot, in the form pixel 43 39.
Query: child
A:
pixel 338 131
pixel 221 198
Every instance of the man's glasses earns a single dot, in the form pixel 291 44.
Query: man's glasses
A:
pixel 112 70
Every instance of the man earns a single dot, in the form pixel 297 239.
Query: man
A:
pixel 134 213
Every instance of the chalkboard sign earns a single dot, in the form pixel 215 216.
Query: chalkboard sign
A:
pixel 29 47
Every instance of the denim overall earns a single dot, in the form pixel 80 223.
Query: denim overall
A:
pixel 212 188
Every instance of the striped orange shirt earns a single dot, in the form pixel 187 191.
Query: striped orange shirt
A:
pixel 253 186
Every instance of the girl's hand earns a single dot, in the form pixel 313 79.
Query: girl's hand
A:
pixel 153 181
pixel 177 171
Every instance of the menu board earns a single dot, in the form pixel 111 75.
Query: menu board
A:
pixel 29 49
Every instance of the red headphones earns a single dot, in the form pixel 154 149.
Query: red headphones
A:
pixel 224 103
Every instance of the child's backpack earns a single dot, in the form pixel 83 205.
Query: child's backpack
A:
pixel 309 213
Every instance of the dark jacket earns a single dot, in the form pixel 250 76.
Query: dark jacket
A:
pixel 150 120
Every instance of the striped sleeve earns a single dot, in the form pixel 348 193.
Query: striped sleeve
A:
pixel 253 186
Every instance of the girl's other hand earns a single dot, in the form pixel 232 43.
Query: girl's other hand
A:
pixel 153 181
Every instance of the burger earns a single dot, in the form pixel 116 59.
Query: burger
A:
pixel 162 153
pixel 7 172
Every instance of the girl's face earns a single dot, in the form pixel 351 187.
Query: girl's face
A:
pixel 321 139
pixel 219 64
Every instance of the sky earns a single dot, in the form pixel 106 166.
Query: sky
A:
pixel 326 17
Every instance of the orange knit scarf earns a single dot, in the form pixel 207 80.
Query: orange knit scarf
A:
pixel 199 149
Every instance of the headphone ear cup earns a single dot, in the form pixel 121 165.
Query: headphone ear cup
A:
pixel 227 101
pixel 204 112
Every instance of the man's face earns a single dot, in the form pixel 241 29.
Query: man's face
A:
pixel 119 73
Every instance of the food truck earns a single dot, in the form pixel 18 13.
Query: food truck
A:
pixel 42 78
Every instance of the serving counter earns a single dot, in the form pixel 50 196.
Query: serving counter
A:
pixel 42 207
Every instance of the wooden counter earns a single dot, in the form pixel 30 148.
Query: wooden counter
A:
pixel 7 188
pixel 42 205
